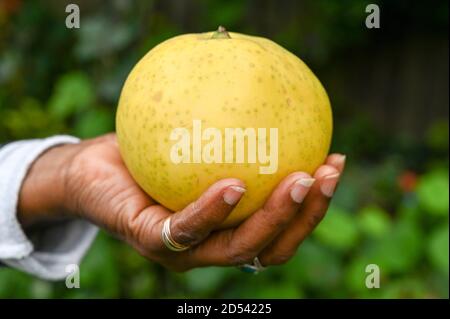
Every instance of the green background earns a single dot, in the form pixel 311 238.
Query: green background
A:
pixel 389 91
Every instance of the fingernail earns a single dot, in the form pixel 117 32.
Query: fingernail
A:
pixel 329 184
pixel 301 188
pixel 341 160
pixel 233 194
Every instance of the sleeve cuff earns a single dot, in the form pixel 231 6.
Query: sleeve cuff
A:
pixel 47 254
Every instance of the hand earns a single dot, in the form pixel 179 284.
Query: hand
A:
pixel 89 180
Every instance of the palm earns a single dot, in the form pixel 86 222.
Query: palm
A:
pixel 108 191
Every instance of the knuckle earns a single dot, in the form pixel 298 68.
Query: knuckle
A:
pixel 276 218
pixel 282 221
pixel 239 255
pixel 132 229
pixel 184 234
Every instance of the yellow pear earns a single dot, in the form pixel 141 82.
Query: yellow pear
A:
pixel 201 107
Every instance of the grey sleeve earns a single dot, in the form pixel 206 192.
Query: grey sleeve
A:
pixel 45 252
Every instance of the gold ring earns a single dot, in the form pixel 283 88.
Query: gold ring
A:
pixel 167 239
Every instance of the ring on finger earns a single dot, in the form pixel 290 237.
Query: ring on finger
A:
pixel 253 268
pixel 168 240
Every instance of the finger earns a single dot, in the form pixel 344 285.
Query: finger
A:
pixel 311 213
pixel 198 219
pixel 337 160
pixel 241 245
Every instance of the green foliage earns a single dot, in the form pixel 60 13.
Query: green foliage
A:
pixel 94 122
pixel 433 190
pixel 73 93
pixel 15 284
pixel 374 221
pixel 315 267
pixel 203 281
pixel 400 250
pixel 438 249
pixel 339 230
pixel 99 270
pixel 30 119
pixel 107 35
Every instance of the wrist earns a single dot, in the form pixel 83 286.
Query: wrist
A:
pixel 43 193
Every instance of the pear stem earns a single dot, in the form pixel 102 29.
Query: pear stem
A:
pixel 221 33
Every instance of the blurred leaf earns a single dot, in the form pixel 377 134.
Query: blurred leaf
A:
pixel 142 284
pixel 41 289
pixel 73 92
pixel 385 175
pixel 206 280
pixel 355 274
pixel 374 221
pixel 347 197
pixel 15 284
pixel 404 289
pixel 94 122
pixel 29 120
pixel 101 35
pixel 338 230
pixel 437 284
pixel 433 190
pixel 409 212
pixel 356 282
pixel 438 249
pixel 9 63
pixel 399 250
pixel 99 273
pixel 131 260
pixel 313 266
